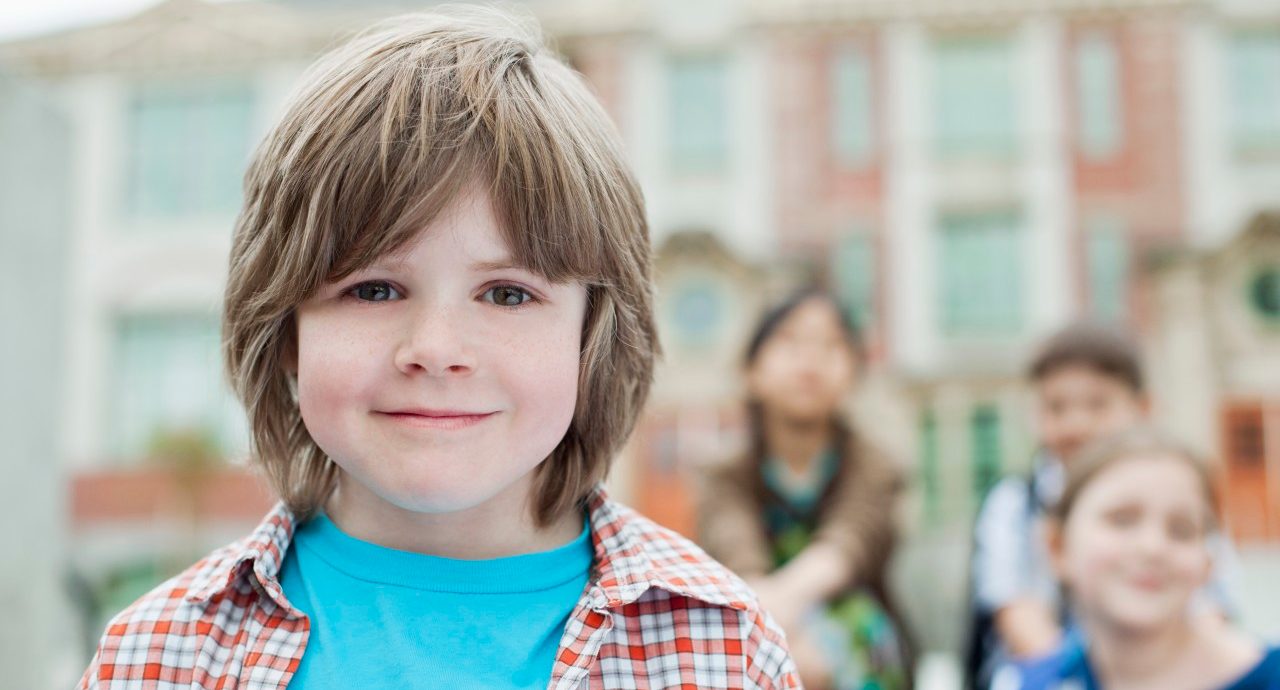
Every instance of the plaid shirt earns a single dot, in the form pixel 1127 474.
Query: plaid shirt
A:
pixel 657 612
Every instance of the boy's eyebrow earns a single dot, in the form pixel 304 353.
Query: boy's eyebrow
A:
pixel 388 262
pixel 498 265
pixel 393 263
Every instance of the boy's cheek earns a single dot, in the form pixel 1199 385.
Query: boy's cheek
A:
pixel 316 412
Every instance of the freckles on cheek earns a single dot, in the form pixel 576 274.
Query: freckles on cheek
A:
pixel 556 378
pixel 325 377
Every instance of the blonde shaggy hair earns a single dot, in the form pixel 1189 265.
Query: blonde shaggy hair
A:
pixel 1142 441
pixel 385 132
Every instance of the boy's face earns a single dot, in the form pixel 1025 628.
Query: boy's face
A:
pixel 439 379
pixel 1076 404
pixel 1133 549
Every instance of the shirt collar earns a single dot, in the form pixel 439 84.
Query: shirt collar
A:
pixel 632 555
pixel 261 553
pixel 1050 478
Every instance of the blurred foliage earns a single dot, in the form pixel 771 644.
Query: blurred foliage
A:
pixel 192 449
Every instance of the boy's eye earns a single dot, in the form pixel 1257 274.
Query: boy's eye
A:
pixel 374 292
pixel 507 295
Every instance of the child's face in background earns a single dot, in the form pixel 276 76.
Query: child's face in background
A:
pixel 438 380
pixel 1076 404
pixel 806 366
pixel 1133 549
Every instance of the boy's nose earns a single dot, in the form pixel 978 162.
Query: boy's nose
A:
pixel 435 345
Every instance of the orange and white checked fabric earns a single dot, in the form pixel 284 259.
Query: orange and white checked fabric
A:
pixel 657 612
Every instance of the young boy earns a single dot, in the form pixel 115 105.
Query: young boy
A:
pixel 1088 383
pixel 439 319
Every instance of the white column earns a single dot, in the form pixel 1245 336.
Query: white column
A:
pixel 37 631
pixel 96 106
pixel 911 260
pixel 643 88
pixel 750 209
pixel 1046 176
pixel 1210 187
pixel 1183 380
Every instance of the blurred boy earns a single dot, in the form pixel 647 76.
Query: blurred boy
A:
pixel 1088 383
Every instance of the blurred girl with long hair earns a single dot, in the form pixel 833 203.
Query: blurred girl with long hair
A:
pixel 806 514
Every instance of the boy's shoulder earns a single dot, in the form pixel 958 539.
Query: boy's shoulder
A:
pixel 213 600
pixel 658 586
pixel 635 554
pixel 1011 500
pixel 249 564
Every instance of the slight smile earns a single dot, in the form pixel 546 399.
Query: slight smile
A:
pixel 437 419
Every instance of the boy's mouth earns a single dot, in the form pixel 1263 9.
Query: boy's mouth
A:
pixel 436 419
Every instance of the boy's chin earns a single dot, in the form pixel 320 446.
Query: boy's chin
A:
pixel 446 498
pixel 436 502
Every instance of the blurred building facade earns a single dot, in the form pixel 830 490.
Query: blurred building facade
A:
pixel 968 176
pixel 34 224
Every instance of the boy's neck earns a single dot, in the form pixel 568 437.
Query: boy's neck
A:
pixel 796 442
pixel 500 527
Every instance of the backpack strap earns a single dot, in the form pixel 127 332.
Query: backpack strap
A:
pixel 982 641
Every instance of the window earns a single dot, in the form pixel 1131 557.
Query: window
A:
pixel 167 378
pixel 851 111
pixel 1249 501
pixel 855 276
pixel 698 100
pixel 1245 437
pixel 930 479
pixel 1108 268
pixel 1264 293
pixel 697 312
pixel 980 274
pixel 984 428
pixel 975 101
pixel 188 149
pixel 1253 60
pixel 1099 116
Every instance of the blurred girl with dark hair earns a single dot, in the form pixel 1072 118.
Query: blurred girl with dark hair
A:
pixel 806 515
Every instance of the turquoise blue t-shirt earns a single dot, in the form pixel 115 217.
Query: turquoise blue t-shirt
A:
pixel 382 618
